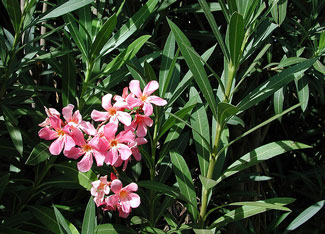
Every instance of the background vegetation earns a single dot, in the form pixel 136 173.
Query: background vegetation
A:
pixel 262 60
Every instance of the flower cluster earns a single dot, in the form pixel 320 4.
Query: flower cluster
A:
pixel 123 199
pixel 107 143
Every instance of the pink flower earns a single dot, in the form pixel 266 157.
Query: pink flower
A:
pixel 49 112
pixel 99 189
pixel 55 131
pixel 93 148
pixel 135 151
pixel 113 113
pixel 144 99
pixel 120 101
pixel 118 147
pixel 124 199
pixel 140 122
pixel 75 120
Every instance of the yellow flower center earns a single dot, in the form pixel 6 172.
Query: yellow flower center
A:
pixel 86 148
pixel 143 98
pixel 114 143
pixel 60 132
pixel 123 194
pixel 112 111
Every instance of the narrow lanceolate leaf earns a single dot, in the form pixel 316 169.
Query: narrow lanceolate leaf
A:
pixel 66 7
pixel 207 183
pixel 113 229
pixel 89 221
pixel 225 111
pixel 39 154
pixel 214 28
pixel 15 136
pixel 260 154
pixel 278 99
pixel 103 35
pixel 9 115
pixel 131 26
pixel 185 182
pixel 162 188
pixel 14 13
pixel 172 120
pixel 46 216
pixel 305 216
pixel 303 92
pixel 126 55
pixel 68 77
pixel 248 211
pixel 236 37
pixel 166 60
pixel 200 122
pixel 279 11
pixel 273 84
pixel 196 67
pixel 61 221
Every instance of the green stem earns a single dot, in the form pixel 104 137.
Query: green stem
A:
pixel 85 84
pixel 153 165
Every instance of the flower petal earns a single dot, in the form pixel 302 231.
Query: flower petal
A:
pixel 110 130
pixel 124 117
pixel 135 88
pixel 56 146
pixel 116 186
pixel 106 101
pixel 124 151
pixel 99 115
pixel 134 200
pixel 47 134
pixel 147 108
pixel 74 153
pixel 132 187
pixel 151 87
pixel 67 112
pixel 86 162
pixel 157 101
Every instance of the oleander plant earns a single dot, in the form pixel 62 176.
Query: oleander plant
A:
pixel 162 116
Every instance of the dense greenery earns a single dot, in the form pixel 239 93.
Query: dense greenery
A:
pixel 244 83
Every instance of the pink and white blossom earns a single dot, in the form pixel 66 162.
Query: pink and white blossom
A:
pixel 112 113
pixel 144 99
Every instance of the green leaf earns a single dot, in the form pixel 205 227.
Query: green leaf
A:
pixel 89 221
pixel 247 211
pixel 15 136
pixel 126 55
pixel 236 37
pixel 69 169
pixel 131 26
pixel 278 99
pixel 69 72
pixel 166 61
pixel 170 122
pixel 13 9
pixel 200 122
pixel 260 204
pixel 76 35
pixel 303 91
pixel 321 44
pixel 113 229
pixel 61 221
pixel 162 188
pixel 185 182
pixel 319 67
pixel 305 216
pixel 207 183
pixel 46 216
pixel 103 35
pixel 9 115
pixel 279 11
pixel 225 111
pixel 204 231
pixel 260 154
pixel 65 8
pixel 39 154
pixel 214 28
pixel 273 84
pixel 196 67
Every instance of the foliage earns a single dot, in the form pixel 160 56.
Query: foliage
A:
pixel 237 148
